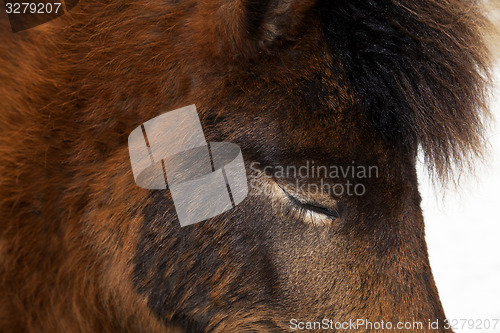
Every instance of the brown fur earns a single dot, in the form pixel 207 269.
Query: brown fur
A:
pixel 83 249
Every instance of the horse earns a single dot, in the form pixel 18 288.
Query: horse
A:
pixel 336 85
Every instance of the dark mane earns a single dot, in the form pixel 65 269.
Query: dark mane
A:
pixel 419 68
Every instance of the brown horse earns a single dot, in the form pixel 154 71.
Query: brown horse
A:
pixel 340 85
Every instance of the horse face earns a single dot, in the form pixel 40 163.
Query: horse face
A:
pixel 303 247
pixel 329 102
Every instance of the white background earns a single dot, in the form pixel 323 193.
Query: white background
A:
pixel 463 235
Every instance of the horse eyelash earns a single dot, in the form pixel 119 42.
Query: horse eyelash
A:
pixel 330 213
pixel 305 209
pixel 308 210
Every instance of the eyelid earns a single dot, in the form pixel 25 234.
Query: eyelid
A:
pixel 304 204
pixel 331 213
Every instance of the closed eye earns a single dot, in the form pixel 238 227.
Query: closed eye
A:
pixel 305 206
